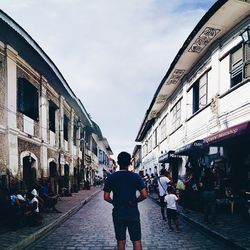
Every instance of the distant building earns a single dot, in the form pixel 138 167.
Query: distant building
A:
pixel 136 158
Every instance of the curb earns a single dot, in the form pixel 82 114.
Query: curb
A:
pixel 44 230
pixel 227 241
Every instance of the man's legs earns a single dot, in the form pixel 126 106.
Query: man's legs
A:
pixel 169 219
pixel 120 231
pixel 121 244
pixel 205 200
pixel 137 245
pixel 163 205
pixel 134 229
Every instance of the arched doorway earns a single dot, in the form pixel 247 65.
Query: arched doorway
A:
pixel 76 180
pixel 29 172
pixel 66 176
pixel 53 176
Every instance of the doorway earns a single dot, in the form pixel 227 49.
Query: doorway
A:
pixel 29 172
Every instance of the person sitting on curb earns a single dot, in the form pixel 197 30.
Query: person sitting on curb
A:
pixel 49 201
pixel 34 216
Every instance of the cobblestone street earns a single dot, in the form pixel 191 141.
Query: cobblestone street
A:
pixel 91 228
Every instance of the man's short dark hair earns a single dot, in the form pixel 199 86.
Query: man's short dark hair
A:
pixel 170 189
pixel 124 159
pixel 163 171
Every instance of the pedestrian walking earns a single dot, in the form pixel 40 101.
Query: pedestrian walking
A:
pixel 124 184
pixel 185 193
pixel 163 182
pixel 208 195
pixel 171 200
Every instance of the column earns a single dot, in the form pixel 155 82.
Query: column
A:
pixel 43 115
pixel 11 103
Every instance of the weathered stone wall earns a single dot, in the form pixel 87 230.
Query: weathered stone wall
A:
pixel 19 119
pixel 75 163
pixel 67 158
pixel 37 129
pixel 53 154
pixel 26 145
pixel 4 147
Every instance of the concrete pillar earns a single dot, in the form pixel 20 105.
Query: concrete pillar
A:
pixel 71 130
pixel 43 114
pixel 71 144
pixel 11 103
pixel 61 117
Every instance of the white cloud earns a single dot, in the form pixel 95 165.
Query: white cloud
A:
pixel 113 53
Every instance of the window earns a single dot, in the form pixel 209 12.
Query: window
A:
pixel 75 129
pixel 150 144
pixel 176 115
pixel 65 128
pixel 240 64
pixel 52 110
pixel 154 138
pixel 101 156
pixel 27 98
pixel 200 93
pixel 145 148
pixel 87 139
pixel 163 129
pixel 247 61
pixel 236 66
pixel 94 147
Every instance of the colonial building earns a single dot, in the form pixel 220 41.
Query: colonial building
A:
pixel 44 128
pixel 136 158
pixel 105 153
pixel 200 113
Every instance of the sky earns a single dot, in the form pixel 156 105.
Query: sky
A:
pixel 113 53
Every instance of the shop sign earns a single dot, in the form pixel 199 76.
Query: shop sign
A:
pixel 228 133
pixel 87 158
pixel 62 159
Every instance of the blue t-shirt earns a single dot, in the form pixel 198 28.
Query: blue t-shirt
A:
pixel 123 185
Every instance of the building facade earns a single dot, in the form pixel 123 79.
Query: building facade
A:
pixel 200 113
pixel 43 125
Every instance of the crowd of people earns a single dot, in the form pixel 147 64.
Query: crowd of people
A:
pixel 186 191
pixel 18 209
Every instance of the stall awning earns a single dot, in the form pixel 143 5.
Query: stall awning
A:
pixel 229 133
pixel 194 147
pixel 168 157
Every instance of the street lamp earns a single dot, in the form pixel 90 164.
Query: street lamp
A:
pixel 246 36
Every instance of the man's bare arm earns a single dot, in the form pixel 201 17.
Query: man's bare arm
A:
pixel 143 195
pixel 107 197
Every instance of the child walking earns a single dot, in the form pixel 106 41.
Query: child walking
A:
pixel 171 200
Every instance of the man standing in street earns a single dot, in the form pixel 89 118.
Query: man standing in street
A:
pixel 124 184
pixel 163 182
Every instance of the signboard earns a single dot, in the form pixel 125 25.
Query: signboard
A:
pixel 62 159
pixel 87 159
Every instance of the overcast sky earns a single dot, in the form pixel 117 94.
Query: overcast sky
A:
pixel 112 53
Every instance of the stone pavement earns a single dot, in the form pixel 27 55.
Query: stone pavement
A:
pixel 91 228
pixel 20 238
pixel 231 228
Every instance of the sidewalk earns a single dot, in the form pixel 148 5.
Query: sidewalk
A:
pixel 231 228
pixel 20 238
